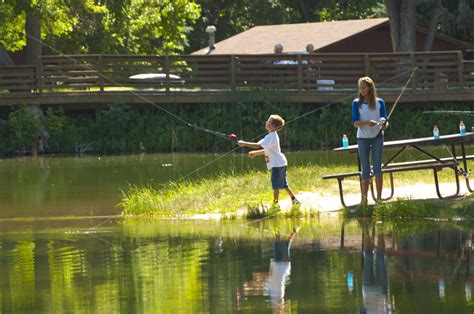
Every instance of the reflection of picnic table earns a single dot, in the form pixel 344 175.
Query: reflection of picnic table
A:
pixel 458 163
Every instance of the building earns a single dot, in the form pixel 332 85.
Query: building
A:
pixel 349 36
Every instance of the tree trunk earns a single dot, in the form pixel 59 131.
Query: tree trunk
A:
pixel 402 19
pixel 431 30
pixel 407 26
pixel 393 13
pixel 33 36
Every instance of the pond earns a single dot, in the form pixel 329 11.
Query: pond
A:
pixel 91 186
pixel 63 248
pixel 336 266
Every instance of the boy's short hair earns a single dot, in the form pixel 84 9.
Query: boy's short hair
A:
pixel 277 121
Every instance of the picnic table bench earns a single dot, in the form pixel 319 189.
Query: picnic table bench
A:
pixel 458 163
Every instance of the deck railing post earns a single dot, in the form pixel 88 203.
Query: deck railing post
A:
pixel 366 64
pixel 232 73
pixel 460 70
pixel 101 73
pixel 167 72
pixel 300 73
pixel 39 75
pixel 413 65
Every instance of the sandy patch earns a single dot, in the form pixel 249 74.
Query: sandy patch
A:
pixel 325 202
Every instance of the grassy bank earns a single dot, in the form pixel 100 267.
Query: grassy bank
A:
pixel 223 194
pixel 452 209
pixel 227 193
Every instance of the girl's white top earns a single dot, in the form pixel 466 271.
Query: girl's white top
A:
pixel 365 113
pixel 273 155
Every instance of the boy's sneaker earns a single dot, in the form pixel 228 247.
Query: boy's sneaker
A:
pixel 295 202
pixel 275 205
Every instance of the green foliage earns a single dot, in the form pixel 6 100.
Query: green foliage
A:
pixel 259 211
pixel 407 209
pixel 4 137
pixel 123 129
pixel 124 26
pixel 118 130
pixel 345 10
pixel 56 124
pixel 58 18
pixel 135 27
pixel 456 18
pixel 24 127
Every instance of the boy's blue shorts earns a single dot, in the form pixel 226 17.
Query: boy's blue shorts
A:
pixel 279 180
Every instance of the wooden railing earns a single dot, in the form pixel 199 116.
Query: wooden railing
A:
pixel 320 73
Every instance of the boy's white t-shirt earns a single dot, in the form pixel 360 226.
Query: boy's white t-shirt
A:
pixel 273 155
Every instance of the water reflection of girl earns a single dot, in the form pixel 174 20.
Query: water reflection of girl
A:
pixel 375 294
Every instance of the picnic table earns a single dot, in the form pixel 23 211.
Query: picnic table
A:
pixel 457 162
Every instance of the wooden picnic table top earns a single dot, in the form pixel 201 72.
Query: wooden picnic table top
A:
pixel 444 139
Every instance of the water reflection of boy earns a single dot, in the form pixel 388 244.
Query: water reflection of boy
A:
pixel 281 247
pixel 280 268
pixel 374 286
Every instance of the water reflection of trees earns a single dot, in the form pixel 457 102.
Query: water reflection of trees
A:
pixel 164 268
pixel 79 275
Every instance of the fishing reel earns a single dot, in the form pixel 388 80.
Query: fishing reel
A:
pixel 382 121
pixel 234 138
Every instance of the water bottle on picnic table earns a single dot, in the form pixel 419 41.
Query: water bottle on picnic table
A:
pixel 436 132
pixel 462 128
pixel 350 282
pixel 345 141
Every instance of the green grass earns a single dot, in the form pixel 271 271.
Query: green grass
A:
pixel 251 192
pixel 403 209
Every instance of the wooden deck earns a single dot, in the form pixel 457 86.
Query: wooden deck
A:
pixel 90 80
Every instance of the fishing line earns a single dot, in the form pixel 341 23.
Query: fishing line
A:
pixel 352 95
pixel 231 137
pixel 448 112
pixel 401 93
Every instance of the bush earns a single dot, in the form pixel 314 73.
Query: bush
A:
pixel 24 127
pixel 123 129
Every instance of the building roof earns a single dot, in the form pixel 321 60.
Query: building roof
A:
pixel 293 37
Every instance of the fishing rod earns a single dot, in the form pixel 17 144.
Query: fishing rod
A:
pixel 382 120
pixel 231 137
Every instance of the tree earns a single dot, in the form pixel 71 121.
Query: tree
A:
pixel 131 26
pixel 457 19
pixel 26 23
pixel 92 26
pixel 433 8
pixel 404 15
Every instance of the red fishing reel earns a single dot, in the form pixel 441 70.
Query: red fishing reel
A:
pixel 234 137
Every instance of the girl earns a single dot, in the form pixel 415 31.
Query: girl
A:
pixel 369 117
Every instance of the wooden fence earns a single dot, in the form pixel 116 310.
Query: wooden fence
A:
pixel 295 74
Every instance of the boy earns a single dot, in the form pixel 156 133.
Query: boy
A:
pixel 269 146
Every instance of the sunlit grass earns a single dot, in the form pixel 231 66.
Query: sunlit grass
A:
pixel 228 193
pixel 403 209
